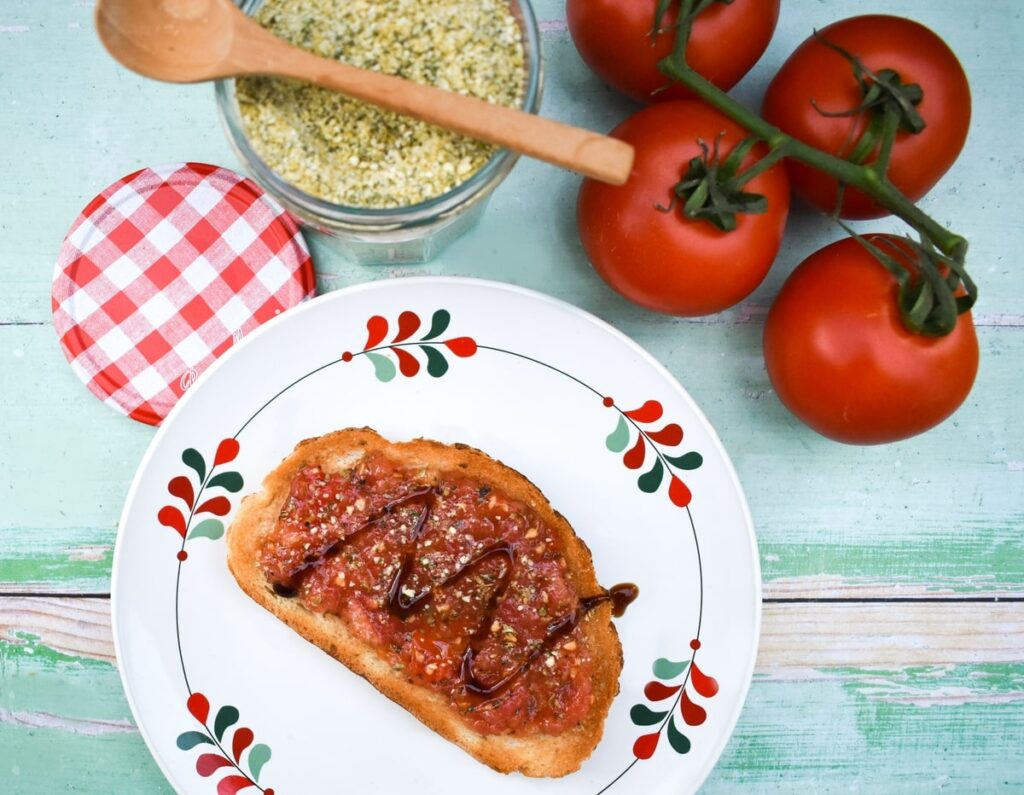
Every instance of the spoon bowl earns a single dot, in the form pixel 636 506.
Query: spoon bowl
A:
pixel 176 41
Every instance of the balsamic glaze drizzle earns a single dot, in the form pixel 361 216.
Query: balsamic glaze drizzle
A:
pixel 401 606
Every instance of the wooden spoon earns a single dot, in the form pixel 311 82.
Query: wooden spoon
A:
pixel 190 41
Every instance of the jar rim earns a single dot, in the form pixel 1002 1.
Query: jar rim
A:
pixel 491 173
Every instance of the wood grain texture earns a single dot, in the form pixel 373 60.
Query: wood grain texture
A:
pixel 886 679
pixel 856 696
pixel 797 638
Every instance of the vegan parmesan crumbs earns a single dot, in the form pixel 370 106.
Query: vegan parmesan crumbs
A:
pixel 354 154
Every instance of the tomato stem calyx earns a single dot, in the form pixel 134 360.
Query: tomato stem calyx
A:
pixel 712 189
pixel 883 91
pixel 933 291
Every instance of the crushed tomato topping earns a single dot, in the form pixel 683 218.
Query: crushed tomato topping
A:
pixel 421 569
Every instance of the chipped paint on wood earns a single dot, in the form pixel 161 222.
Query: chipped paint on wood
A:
pixel 71 628
pixel 46 720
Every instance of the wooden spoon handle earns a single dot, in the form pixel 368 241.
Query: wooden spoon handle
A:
pixel 589 153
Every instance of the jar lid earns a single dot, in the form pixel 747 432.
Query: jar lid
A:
pixel 164 271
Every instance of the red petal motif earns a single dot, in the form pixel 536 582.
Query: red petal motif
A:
pixel 226 452
pixel 377 330
pixel 645 746
pixel 408 323
pixel 462 346
pixel 407 363
pixel 656 691
pixel 208 764
pixel 693 714
pixel 634 457
pixel 241 741
pixel 678 492
pixel 648 412
pixel 705 685
pixel 172 518
pixel 670 435
pixel 181 487
pixel 199 707
pixel 218 506
pixel 232 784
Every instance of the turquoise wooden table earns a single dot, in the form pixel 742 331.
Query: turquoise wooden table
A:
pixel 892 657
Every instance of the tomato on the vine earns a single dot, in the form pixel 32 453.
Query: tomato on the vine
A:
pixel 817 81
pixel 616 39
pixel 658 257
pixel 842 360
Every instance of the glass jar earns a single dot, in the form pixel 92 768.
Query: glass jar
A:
pixel 399 235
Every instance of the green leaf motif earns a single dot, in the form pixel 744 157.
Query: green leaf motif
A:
pixel 229 481
pixel 641 715
pixel 619 438
pixel 226 716
pixel 192 458
pixel 208 528
pixel 258 757
pixel 189 740
pixel 676 738
pixel 666 669
pixel 439 324
pixel 383 367
pixel 649 481
pixel 687 461
pixel 437 365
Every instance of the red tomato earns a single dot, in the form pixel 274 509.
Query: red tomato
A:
pixel 842 361
pixel 663 260
pixel 614 38
pixel 814 72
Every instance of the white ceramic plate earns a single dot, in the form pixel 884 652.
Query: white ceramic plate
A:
pixel 230 699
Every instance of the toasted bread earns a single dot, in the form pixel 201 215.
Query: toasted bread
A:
pixel 533 754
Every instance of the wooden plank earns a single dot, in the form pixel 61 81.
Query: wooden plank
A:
pixel 796 638
pixel 68 560
pixel 939 514
pixel 836 736
pixel 890 678
pixel 43 761
pixel 67 628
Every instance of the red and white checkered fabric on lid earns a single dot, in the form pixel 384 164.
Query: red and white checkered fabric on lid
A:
pixel 162 272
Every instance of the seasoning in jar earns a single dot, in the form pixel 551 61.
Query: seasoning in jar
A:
pixel 351 153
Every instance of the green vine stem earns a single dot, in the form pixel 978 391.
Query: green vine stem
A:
pixel 869 178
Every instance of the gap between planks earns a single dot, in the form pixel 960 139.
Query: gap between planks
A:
pixel 740 315
pixel 797 637
pixel 985 599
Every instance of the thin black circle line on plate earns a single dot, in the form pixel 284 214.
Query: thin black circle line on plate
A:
pixel 177 581
pixel 275 397
pixel 177 624
pixel 542 364
pixel 700 572
pixel 527 358
pixel 615 780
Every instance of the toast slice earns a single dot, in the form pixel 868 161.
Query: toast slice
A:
pixel 531 749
